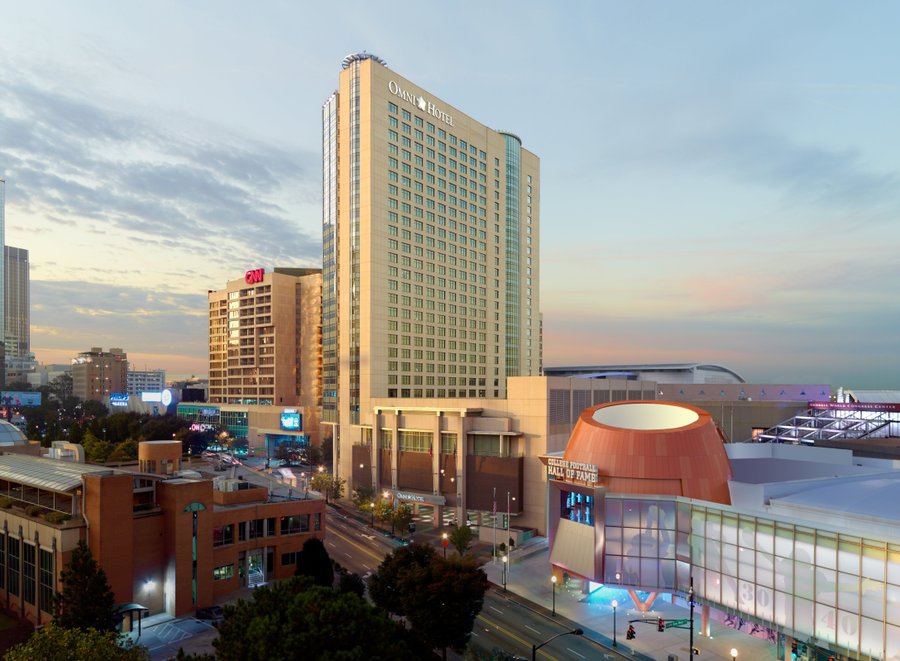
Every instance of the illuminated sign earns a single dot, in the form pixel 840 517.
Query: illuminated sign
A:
pixel 291 420
pixel 884 407
pixel 572 471
pixel 151 396
pixel 253 276
pixel 166 397
pixel 420 102
pixel 209 413
pixel 13 398
pixel 201 426
pixel 118 399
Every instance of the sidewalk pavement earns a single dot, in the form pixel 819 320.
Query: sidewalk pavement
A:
pixel 529 578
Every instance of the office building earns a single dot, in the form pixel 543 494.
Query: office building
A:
pixel 97 373
pixel 430 252
pixel 265 346
pixel 138 381
pixel 19 359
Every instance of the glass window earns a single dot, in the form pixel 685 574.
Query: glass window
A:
pixel 223 535
pixel 223 573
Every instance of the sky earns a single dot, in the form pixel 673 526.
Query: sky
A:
pixel 720 182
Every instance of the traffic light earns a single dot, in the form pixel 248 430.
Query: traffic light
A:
pixel 793 649
pixel 695 650
pixel 630 633
pixel 660 625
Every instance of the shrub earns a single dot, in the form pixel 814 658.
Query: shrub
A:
pixel 34 510
pixel 6 502
pixel 56 517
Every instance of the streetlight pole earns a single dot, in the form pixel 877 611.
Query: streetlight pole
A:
pixel 372 507
pixel 505 561
pixel 733 654
pixel 535 648
pixel 494 553
pixel 691 598
pixel 444 543
pixel 553 581
pixel 615 604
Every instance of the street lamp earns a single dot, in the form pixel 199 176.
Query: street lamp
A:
pixel 691 598
pixel 733 654
pixel 444 542
pixel 615 604
pixel 505 561
pixel 372 506
pixel 553 580
pixel 535 648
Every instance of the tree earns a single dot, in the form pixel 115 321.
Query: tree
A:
pixel 124 451
pixel 351 582
pixel 402 517
pixel 95 450
pixel 91 408
pixel 313 561
pixel 61 644
pixel 332 487
pixel 440 598
pixel 363 497
pixel 294 617
pixel 461 538
pixel 384 510
pixel 86 600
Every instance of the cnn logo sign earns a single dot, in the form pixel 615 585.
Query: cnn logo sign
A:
pixel 253 276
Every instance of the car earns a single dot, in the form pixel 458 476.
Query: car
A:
pixel 214 614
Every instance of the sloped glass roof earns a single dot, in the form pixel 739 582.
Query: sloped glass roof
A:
pixel 51 474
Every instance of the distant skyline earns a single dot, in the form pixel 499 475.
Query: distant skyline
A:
pixel 720 182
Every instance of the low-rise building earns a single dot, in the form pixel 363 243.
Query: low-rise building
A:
pixel 168 539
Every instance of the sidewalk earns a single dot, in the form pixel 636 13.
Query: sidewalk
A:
pixel 529 578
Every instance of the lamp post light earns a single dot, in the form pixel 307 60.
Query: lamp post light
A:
pixel 733 654
pixel 615 604
pixel 372 507
pixel 494 552
pixel 535 648
pixel 444 542
pixel 505 564
pixel 691 598
pixel 553 581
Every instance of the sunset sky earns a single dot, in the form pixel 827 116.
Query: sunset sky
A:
pixel 720 181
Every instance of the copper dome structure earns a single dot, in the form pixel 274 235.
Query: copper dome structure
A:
pixel 653 447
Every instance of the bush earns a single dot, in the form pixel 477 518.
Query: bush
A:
pixel 56 517
pixel 34 510
pixel 6 502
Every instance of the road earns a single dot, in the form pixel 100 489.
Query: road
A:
pixel 505 622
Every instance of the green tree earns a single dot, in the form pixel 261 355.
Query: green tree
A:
pixel 125 451
pixel 332 487
pixel 313 561
pixel 96 451
pixel 439 598
pixel 402 517
pixel 91 408
pixel 350 582
pixel 363 497
pixel 86 600
pixel 61 644
pixel 384 510
pixel 294 617
pixel 461 538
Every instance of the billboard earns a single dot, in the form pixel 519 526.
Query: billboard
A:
pixel 14 398
pixel 291 420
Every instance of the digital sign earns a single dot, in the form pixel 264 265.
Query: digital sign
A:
pixel 291 420
pixel 14 398
pixel 118 399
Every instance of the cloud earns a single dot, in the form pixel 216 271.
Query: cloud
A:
pixel 76 164
pixel 74 316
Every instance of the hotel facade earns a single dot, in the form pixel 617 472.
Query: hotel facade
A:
pixel 430 257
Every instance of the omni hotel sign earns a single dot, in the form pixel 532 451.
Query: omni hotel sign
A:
pixel 572 471
pixel 421 103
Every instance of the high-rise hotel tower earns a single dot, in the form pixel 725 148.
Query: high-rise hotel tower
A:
pixel 430 242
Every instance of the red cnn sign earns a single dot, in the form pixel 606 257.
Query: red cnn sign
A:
pixel 253 276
